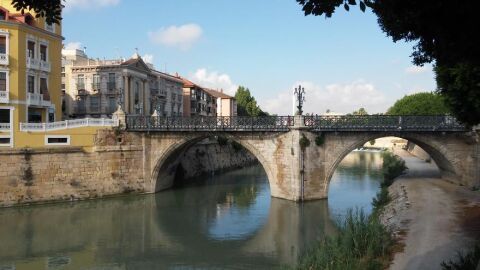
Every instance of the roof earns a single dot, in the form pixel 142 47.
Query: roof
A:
pixel 187 83
pixel 218 94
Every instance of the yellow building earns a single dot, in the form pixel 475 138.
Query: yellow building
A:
pixel 30 85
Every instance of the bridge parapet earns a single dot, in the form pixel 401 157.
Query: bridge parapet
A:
pixel 398 123
pixel 209 123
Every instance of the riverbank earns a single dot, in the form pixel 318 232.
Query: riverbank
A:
pixel 434 219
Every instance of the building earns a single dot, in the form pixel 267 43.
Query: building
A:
pixel 95 88
pixel 197 100
pixel 225 105
pixel 30 67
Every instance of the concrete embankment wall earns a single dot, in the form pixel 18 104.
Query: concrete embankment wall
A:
pixel 40 175
pixel 209 156
pixel 71 173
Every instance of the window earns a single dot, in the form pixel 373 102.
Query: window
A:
pixel 112 104
pixel 3 44
pixel 80 82
pixel 34 115
pixel 57 140
pixel 96 82
pixel 4 140
pixel 31 49
pixel 111 81
pixel 3 15
pixel 43 53
pixel 137 94
pixel 3 81
pixel 31 84
pixel 94 103
pixel 4 115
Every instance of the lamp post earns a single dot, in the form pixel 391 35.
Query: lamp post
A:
pixel 300 98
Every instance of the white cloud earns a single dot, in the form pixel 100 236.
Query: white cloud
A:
pixel 339 97
pixel 73 46
pixel 182 37
pixel 214 80
pixel 416 69
pixel 148 58
pixel 89 4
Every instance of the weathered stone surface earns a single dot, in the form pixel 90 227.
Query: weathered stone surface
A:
pixel 123 162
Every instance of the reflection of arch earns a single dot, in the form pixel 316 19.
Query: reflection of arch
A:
pixel 434 148
pixel 167 161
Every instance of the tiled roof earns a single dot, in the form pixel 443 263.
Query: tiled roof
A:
pixel 217 94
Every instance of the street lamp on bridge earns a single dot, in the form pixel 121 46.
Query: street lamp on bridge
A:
pixel 300 99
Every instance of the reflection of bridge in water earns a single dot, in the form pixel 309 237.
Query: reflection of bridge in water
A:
pixel 148 231
pixel 297 173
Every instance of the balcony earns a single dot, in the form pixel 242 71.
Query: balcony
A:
pixel 111 86
pixel 36 99
pixel 45 66
pixel 33 63
pixel 96 87
pixel 5 127
pixel 4 97
pixel 80 86
pixel 3 59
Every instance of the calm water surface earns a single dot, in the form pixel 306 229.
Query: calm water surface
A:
pixel 228 221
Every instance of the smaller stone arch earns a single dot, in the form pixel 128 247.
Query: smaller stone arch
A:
pixel 437 149
pixel 166 159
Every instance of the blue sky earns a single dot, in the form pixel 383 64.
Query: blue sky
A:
pixel 344 62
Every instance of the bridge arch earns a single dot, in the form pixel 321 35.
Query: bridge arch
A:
pixel 165 162
pixel 437 149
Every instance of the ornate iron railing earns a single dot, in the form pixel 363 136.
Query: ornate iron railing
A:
pixel 209 123
pixel 383 123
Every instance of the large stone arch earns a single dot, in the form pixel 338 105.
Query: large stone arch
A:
pixel 167 151
pixel 449 151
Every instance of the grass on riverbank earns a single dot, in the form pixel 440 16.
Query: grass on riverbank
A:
pixel 362 242
pixel 465 261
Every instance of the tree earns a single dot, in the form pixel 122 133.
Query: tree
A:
pixel 444 32
pixel 360 111
pixel 420 104
pixel 246 103
pixel 50 9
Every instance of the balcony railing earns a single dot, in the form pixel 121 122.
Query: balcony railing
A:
pixel 4 126
pixel 68 124
pixel 33 63
pixel 37 100
pixel 3 59
pixel 45 66
pixel 4 97
pixel 80 86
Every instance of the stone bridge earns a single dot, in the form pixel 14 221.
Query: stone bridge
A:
pixel 302 173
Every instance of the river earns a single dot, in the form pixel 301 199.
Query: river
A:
pixel 223 221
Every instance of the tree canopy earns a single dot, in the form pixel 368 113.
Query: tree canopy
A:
pixel 246 103
pixel 50 9
pixel 444 32
pixel 360 111
pixel 420 104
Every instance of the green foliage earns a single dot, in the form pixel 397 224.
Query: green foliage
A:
pixel 372 142
pixel 222 141
pixel 246 103
pixel 50 9
pixel 304 142
pixel 361 243
pixel 382 198
pixel 420 104
pixel 460 85
pixel 392 167
pixel 443 32
pixel 360 111
pixel 466 261
pixel 320 140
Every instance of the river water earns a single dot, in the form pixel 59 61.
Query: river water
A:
pixel 228 221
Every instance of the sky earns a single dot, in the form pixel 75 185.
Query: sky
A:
pixel 344 63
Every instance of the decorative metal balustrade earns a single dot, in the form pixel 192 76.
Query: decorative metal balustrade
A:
pixel 68 124
pixel 383 123
pixel 209 123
